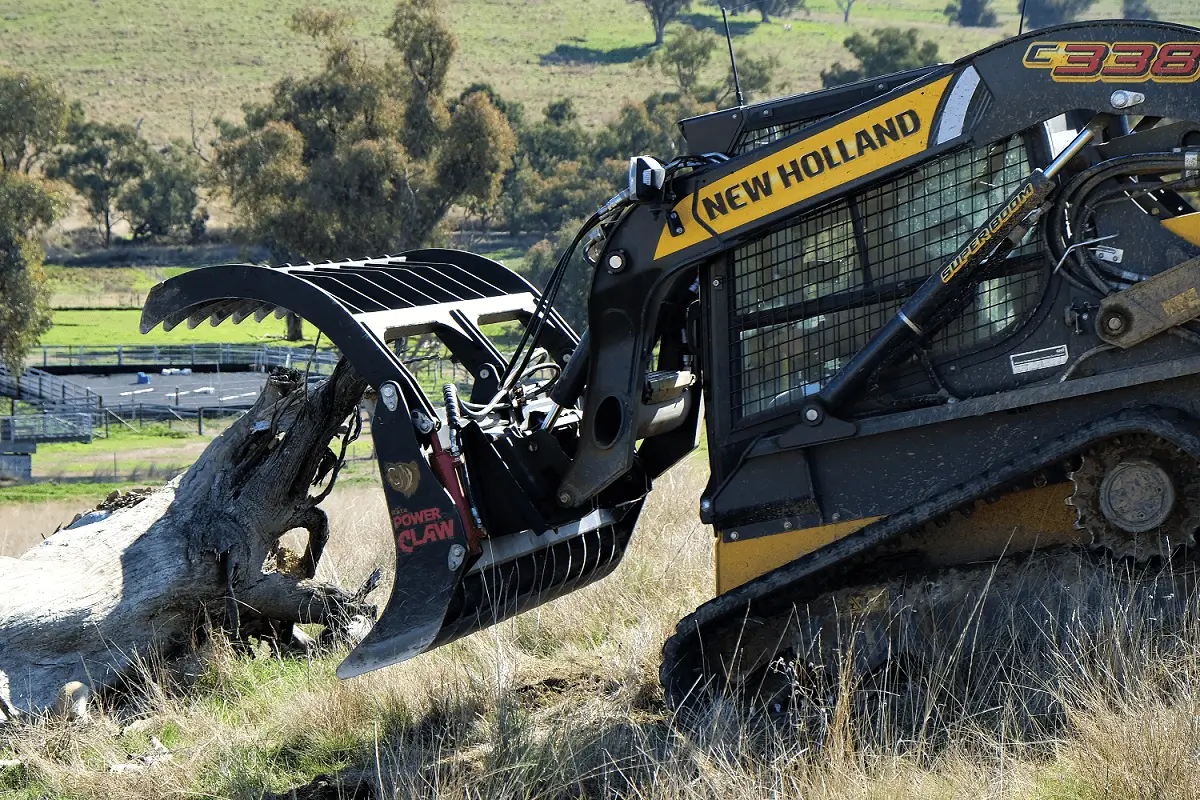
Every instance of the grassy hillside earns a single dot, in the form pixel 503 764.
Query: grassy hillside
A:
pixel 163 61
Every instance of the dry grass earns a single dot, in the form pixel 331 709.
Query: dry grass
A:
pixel 564 702
pixel 23 526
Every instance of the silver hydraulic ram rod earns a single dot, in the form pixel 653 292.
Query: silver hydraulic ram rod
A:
pixel 918 317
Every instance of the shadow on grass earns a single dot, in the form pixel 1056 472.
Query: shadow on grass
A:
pixel 608 755
pixel 581 54
pixel 347 785
pixel 740 25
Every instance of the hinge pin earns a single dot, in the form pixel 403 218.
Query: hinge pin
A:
pixel 1123 98
pixel 390 395
pixel 454 559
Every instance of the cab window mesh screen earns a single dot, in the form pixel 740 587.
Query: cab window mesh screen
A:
pixel 756 138
pixel 809 295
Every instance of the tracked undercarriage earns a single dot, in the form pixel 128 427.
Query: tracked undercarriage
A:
pixel 940 327
pixel 884 592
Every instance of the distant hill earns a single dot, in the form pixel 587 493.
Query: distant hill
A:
pixel 163 61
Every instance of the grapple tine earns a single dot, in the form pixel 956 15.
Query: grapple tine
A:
pixel 431 545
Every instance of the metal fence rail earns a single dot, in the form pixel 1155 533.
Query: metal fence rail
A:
pixel 320 361
pixel 42 388
pixel 43 392
pixel 137 411
pixel 76 427
pixel 432 368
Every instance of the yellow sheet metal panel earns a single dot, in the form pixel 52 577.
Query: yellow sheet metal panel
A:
pixel 1185 226
pixel 1021 521
pixel 1018 522
pixel 740 561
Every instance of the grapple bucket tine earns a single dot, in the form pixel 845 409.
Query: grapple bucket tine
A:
pixel 431 545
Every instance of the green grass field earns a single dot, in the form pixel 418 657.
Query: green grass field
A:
pixel 120 326
pixel 86 493
pixel 164 63
pixel 95 287
pixel 75 460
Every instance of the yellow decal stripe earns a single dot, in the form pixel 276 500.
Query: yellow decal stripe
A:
pixel 983 237
pixel 861 145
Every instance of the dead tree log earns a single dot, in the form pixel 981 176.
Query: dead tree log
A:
pixel 89 602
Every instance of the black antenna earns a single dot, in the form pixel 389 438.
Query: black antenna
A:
pixel 737 84
pixel 1021 25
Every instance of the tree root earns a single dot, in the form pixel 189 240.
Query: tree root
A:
pixel 90 602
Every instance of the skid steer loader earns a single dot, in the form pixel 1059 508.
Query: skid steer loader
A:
pixel 930 321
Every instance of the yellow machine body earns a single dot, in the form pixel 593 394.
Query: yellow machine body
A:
pixel 1037 517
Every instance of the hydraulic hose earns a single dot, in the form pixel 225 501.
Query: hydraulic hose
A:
pixel 533 331
pixel 1068 222
pixel 569 386
pixel 454 424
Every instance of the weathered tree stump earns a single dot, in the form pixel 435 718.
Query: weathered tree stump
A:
pixel 89 602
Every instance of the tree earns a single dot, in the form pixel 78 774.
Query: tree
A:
pixel 684 58
pixel 756 74
pixel 540 260
pixel 687 56
pixel 33 119
pixel 426 46
pixel 649 127
pixel 971 13
pixel 100 161
pixel 162 200
pixel 891 50
pixel 1137 9
pixel 779 8
pixel 26 207
pixel 363 157
pixel 513 111
pixel 844 6
pixel 537 202
pixel 1042 13
pixel 661 13
pixel 556 139
pixel 486 209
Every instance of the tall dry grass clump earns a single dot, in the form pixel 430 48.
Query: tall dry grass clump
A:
pixel 1046 684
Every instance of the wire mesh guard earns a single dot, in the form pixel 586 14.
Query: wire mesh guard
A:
pixel 755 138
pixel 810 295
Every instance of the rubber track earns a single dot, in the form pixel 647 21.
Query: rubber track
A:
pixel 800 581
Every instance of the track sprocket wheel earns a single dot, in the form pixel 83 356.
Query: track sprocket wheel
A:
pixel 1138 496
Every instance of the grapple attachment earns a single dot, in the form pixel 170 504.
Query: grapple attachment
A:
pixel 471 485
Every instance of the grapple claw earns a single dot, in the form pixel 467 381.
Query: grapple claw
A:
pixel 479 535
